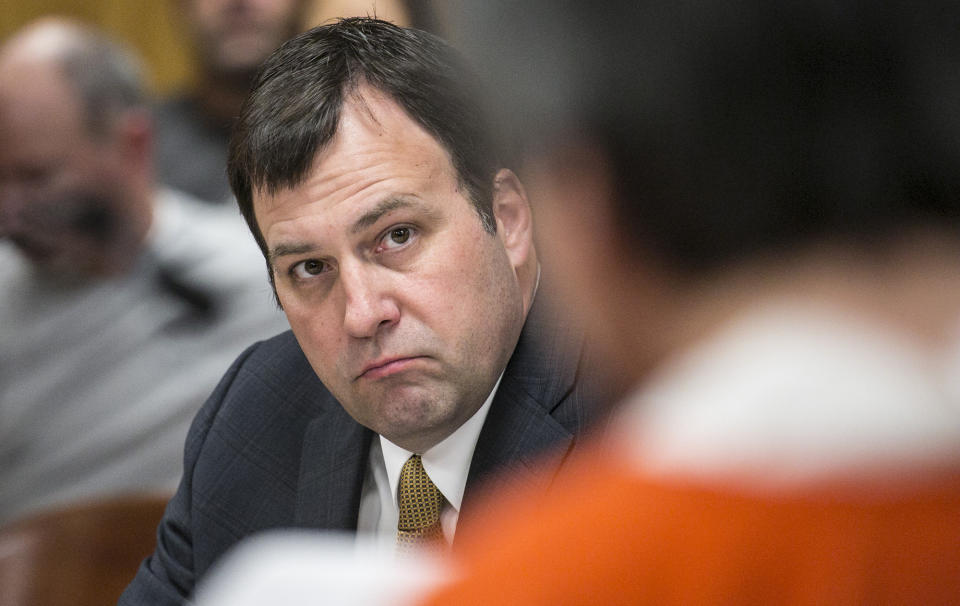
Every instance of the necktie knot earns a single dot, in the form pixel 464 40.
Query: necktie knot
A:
pixel 419 502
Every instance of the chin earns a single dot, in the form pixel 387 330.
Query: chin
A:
pixel 412 420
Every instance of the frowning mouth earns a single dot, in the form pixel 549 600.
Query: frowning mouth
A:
pixel 386 367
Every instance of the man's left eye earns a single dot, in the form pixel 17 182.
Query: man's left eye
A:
pixel 398 236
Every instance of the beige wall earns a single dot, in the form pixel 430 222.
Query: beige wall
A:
pixel 152 28
pixel 149 26
pixel 322 11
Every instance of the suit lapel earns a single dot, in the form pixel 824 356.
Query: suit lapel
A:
pixel 332 468
pixel 520 426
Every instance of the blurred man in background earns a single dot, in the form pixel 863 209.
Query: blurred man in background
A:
pixel 120 303
pixel 230 39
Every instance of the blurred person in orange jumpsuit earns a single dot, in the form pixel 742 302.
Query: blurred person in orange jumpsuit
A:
pixel 756 211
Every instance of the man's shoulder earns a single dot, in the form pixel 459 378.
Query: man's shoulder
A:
pixel 278 366
pixel 280 354
pixel 249 438
pixel 242 459
pixel 270 389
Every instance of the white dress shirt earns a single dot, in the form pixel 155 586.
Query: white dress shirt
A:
pixel 447 464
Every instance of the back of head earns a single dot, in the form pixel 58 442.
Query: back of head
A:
pixel 741 128
pixel 293 111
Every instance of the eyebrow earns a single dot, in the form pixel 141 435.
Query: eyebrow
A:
pixel 364 221
pixel 282 250
pixel 373 215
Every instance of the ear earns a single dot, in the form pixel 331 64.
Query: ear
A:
pixel 511 209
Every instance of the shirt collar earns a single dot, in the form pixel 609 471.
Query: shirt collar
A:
pixel 792 392
pixel 448 462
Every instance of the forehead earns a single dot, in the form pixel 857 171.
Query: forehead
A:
pixel 378 151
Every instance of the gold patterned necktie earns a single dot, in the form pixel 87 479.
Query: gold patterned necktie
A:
pixel 420 502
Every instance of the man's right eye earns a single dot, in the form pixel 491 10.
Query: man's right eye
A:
pixel 305 270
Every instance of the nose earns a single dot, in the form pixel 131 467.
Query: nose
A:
pixel 369 303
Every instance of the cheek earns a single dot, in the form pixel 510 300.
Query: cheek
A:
pixel 462 274
pixel 477 303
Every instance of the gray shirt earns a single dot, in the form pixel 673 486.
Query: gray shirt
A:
pixel 99 381
pixel 190 150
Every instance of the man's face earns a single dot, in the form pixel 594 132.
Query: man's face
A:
pixel 235 36
pixel 57 182
pixel 406 308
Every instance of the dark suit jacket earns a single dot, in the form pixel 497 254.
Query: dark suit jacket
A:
pixel 272 448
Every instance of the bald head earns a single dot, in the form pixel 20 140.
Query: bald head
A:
pixel 106 79
pixel 43 40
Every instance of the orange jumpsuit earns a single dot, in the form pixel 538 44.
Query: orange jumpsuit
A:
pixel 606 534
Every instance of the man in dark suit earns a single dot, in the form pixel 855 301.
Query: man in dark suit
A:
pixel 403 256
